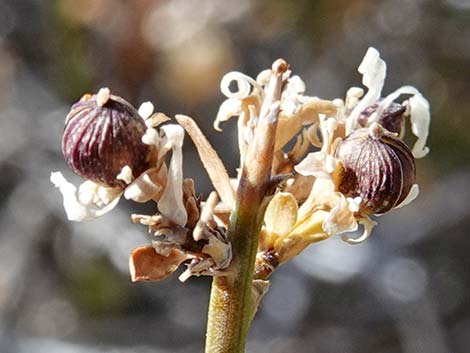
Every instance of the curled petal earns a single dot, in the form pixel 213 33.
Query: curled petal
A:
pixel 420 118
pixel 244 84
pixel 171 202
pixel 353 95
pixel 230 107
pixel 373 70
pixel 385 103
pixel 88 204
pixel 368 224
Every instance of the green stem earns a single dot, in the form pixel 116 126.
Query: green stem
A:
pixel 232 305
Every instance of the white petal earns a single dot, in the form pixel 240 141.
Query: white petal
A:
pixel 368 224
pixel 354 203
pixel 420 118
pixel 327 127
pixel 76 211
pixel 385 103
pixel 413 194
pixel 146 110
pixel 151 137
pixel 230 107
pixel 264 77
pixel 87 193
pixel 147 185
pixel 295 84
pixel 244 84
pixel 103 96
pixel 125 175
pixel 373 69
pixel 290 106
pixel 106 195
pixel 171 202
pixel 330 164
pixel 353 95
pixel 141 190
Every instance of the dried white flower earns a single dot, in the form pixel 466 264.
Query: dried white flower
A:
pixel 91 202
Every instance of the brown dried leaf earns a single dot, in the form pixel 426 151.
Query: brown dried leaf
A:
pixel 145 264
pixel 211 161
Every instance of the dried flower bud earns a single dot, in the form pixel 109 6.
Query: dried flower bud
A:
pixel 103 133
pixel 376 166
pixel 391 118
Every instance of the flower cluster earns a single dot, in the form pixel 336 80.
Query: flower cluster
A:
pixel 122 151
pixel 336 164
pixel 359 165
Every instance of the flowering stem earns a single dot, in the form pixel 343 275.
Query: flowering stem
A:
pixel 232 305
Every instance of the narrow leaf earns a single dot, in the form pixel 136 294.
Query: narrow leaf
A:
pixel 211 161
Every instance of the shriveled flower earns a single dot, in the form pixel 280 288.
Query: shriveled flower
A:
pixel 362 167
pixel 296 112
pixel 201 241
pixel 118 150
pixel 363 157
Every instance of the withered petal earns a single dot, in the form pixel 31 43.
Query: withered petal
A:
pixel 145 264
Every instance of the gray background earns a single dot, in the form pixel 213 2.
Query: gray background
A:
pixel 65 288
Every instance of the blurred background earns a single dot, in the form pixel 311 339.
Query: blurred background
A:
pixel 64 287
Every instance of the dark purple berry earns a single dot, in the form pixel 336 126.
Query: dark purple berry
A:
pixel 103 133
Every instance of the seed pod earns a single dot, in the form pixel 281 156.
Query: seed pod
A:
pixel 377 166
pixel 391 118
pixel 103 133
